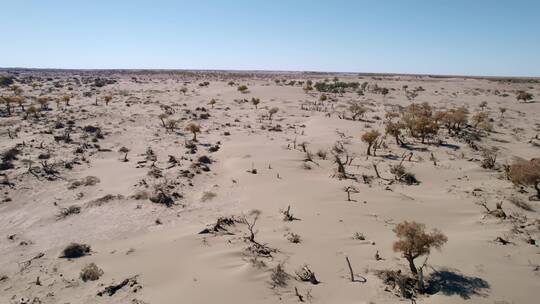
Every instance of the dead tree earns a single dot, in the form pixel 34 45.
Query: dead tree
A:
pixel 342 158
pixel 349 190
pixel 352 272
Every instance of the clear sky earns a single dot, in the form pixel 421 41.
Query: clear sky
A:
pixel 461 37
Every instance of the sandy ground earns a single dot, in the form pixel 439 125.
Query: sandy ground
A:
pixel 160 247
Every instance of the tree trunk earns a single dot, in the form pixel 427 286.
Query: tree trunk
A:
pixel 369 149
pixel 420 280
pixel 412 266
pixel 376 170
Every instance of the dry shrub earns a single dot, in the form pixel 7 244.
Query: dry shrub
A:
pixel 526 173
pixel 279 277
pixel 489 158
pixel 403 175
pixel 65 212
pixel 103 200
pixel 86 181
pixel 293 238
pixel 359 236
pixel 75 250
pixel 420 121
pixel 91 272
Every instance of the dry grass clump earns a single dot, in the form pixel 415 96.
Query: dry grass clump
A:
pixel 140 195
pixel 524 96
pixel 243 89
pixel 279 277
pixel 91 272
pixel 65 212
pixel 86 181
pixel 359 236
pixel 75 250
pixel 207 195
pixel 293 238
pixel 489 158
pixel 518 202
pixel 322 154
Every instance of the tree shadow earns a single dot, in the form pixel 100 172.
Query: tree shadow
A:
pixel 414 148
pixel 452 283
pixel 450 146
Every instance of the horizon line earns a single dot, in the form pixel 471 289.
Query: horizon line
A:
pixel 436 75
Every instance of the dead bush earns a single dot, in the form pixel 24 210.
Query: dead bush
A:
pixel 489 158
pixel 86 181
pixel 322 154
pixel 401 174
pixel 65 212
pixel 526 173
pixel 293 238
pixel 403 285
pixel 279 277
pixel 91 272
pixel 305 274
pixel 75 250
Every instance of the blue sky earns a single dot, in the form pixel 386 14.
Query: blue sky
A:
pixel 473 37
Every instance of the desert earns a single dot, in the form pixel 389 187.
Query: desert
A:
pixel 202 186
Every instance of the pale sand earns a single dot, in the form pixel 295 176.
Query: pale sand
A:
pixel 175 264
